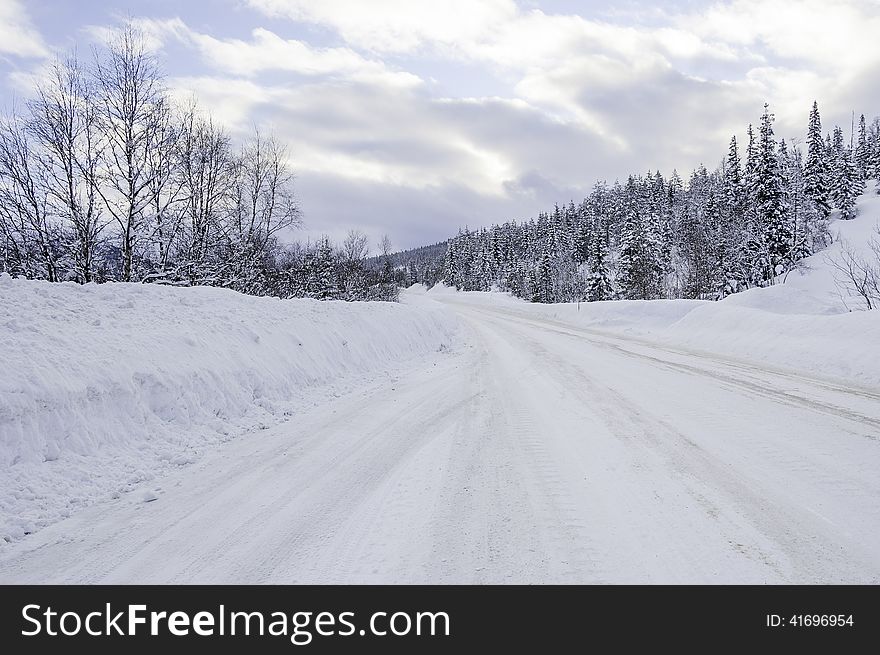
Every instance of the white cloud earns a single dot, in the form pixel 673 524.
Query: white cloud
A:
pixel 582 98
pixel 732 42
pixel 837 36
pixel 266 51
pixel 231 101
pixel 398 25
pixel 17 35
pixel 155 32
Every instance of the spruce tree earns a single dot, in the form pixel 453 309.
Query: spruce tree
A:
pixel 599 284
pixel 874 151
pixel 817 169
pixel 770 202
pixel 862 153
pixel 732 176
pixel 639 266
pixel 327 286
pixel 750 180
pixel 846 185
pixel 544 277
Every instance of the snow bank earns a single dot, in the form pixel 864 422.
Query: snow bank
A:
pixel 802 323
pixel 104 387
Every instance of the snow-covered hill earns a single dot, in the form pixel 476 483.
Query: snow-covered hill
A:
pixel 806 322
pixel 105 388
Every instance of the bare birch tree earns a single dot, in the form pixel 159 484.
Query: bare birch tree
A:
pixel 31 237
pixel 63 120
pixel 263 204
pixel 205 176
pixel 133 106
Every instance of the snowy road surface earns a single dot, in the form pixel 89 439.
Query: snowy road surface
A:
pixel 539 453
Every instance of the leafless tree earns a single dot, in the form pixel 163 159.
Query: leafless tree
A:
pixel 102 154
pixel 354 248
pixel 352 276
pixel 165 185
pixel 858 276
pixel 385 245
pixel 31 237
pixel 132 107
pixel 266 204
pixel 63 121
pixel 263 204
pixel 206 177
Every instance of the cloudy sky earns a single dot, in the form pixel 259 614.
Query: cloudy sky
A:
pixel 415 117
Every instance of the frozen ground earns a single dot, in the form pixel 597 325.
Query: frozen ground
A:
pixel 677 442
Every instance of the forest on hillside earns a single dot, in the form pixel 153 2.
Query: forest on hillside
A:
pixel 741 225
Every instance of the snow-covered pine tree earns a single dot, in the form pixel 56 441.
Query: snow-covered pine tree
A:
pixel 750 177
pixel 732 176
pixel 817 169
pixel 663 228
pixel 862 153
pixel 732 234
pixel 837 164
pixel 770 203
pixel 327 285
pixel 846 184
pixel 449 262
pixel 639 268
pixel 874 150
pixel 599 283
pixel 695 253
pixel 543 290
pixel 797 206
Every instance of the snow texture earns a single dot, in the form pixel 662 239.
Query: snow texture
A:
pixel 104 388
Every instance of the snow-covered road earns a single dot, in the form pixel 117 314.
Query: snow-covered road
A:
pixel 538 453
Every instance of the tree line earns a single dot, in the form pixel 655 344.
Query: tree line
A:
pixel 741 225
pixel 104 178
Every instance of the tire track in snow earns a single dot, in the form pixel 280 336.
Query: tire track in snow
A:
pixel 619 344
pixel 808 556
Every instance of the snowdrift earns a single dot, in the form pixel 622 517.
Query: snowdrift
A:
pixel 803 323
pixel 103 387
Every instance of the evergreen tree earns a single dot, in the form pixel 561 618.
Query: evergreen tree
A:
pixel 750 181
pixel 862 154
pixel 694 246
pixel 846 185
pixel 732 176
pixel 874 151
pixel 543 291
pixel 325 283
pixel 817 169
pixel 770 203
pixel 639 266
pixel 599 284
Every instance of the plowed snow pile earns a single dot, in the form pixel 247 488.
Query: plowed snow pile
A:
pixel 105 387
